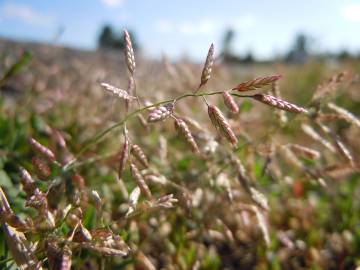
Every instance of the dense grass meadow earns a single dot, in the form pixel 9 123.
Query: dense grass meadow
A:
pixel 154 176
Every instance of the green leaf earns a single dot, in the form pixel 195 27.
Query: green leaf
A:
pixel 17 66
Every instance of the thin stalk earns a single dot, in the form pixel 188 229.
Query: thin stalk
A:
pixel 96 139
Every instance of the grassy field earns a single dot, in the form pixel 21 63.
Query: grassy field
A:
pixel 283 194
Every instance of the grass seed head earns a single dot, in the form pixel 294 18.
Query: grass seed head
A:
pixel 279 103
pixel 221 124
pixel 140 181
pixel 139 154
pixel 124 155
pixel 160 113
pixel 256 83
pixel 230 102
pixel 184 131
pixel 209 62
pixel 41 149
pixel 129 53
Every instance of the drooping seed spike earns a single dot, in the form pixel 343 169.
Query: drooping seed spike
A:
pixel 124 155
pixel 160 113
pixel 279 103
pixel 256 83
pixel 41 149
pixel 348 116
pixel 184 131
pixel 139 154
pixel 129 53
pixel 230 102
pixel 221 124
pixel 209 62
pixel 140 181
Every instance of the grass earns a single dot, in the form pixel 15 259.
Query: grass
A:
pixel 272 197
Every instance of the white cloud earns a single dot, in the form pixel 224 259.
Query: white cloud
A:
pixel 351 12
pixel 25 13
pixel 112 3
pixel 204 27
pixel 187 28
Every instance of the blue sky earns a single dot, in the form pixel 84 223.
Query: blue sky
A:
pixel 178 28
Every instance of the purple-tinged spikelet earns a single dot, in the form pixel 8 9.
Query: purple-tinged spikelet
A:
pixel 43 150
pixel 140 181
pixel 129 53
pixel 230 102
pixel 139 154
pixel 221 124
pixel 27 182
pixel 184 131
pixel 256 83
pixel 206 72
pixel 160 113
pixel 42 169
pixel 279 103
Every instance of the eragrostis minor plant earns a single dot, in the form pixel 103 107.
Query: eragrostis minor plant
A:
pixel 133 158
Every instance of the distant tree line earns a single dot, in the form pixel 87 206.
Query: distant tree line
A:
pixel 110 39
pixel 299 52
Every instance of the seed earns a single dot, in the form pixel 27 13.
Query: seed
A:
pixel 279 103
pixel 221 124
pixel 184 131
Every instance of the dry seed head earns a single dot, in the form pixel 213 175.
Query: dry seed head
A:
pixel 38 147
pixel 230 102
pixel 42 169
pixel 138 153
pixel 129 53
pixel 206 72
pixel 259 199
pixel 117 91
pixel 184 131
pixel 160 113
pixel 262 224
pixel 329 86
pixel 140 181
pixel 124 155
pixel 344 151
pixel 304 151
pixel 348 116
pixel 220 123
pixel 279 103
pixel 256 83
pixel 316 136
pixel 27 182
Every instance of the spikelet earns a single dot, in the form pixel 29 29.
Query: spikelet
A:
pixel 316 136
pixel 43 150
pixel 344 151
pixel 41 168
pixel 256 83
pixel 328 87
pixel 221 124
pixel 124 155
pixel 27 182
pixel 230 102
pixel 129 53
pixel 139 154
pixel 160 113
pixel 262 224
pixel 206 72
pixel 96 199
pixel 140 181
pixel 117 91
pixel 184 131
pixel 330 117
pixel 259 199
pixel 304 151
pixel 279 103
pixel 345 114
